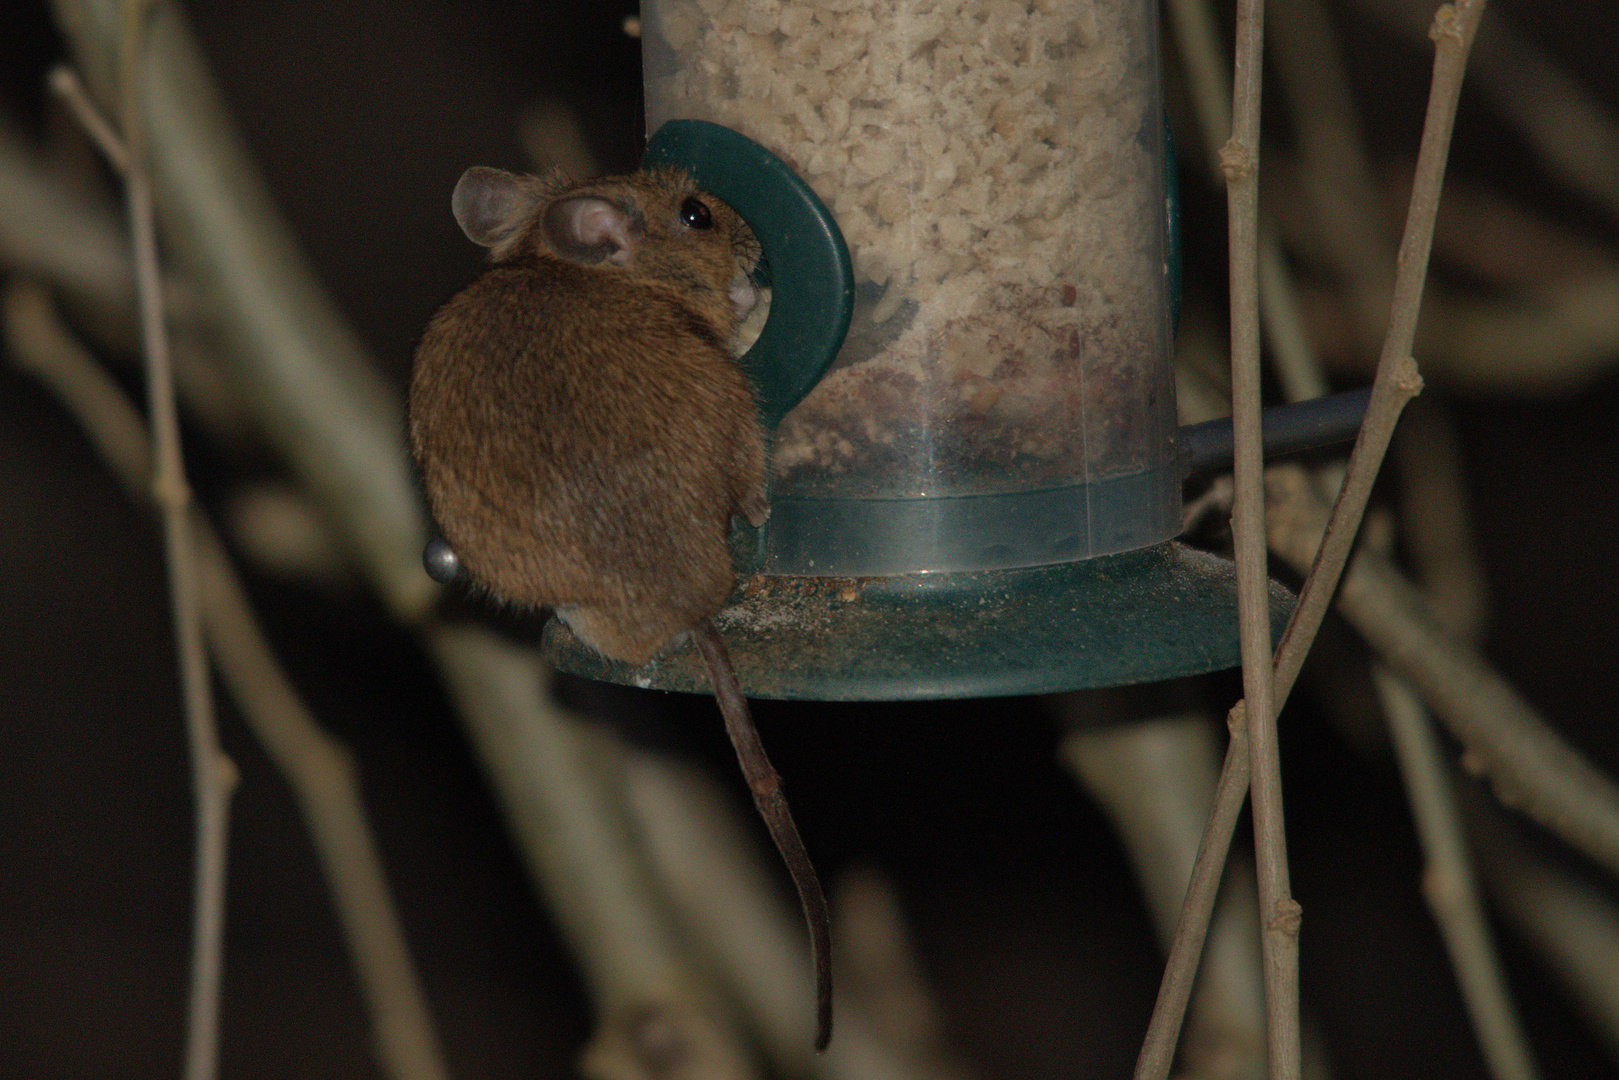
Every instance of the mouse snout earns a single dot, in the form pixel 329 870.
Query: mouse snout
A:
pixel 743 295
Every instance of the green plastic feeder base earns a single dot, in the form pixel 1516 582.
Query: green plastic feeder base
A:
pixel 1141 616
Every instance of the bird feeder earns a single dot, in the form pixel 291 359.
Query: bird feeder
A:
pixel 975 466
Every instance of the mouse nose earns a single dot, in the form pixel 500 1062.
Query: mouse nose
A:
pixel 743 295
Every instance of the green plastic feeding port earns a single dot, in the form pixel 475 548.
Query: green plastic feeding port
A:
pixel 975 473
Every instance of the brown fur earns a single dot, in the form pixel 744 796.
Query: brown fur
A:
pixel 583 433
pixel 585 437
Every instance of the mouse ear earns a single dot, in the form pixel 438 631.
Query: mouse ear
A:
pixel 589 229
pixel 490 203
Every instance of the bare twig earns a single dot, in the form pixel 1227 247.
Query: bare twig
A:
pixel 1438 533
pixel 1279 913
pixel 1397 378
pixel 1509 246
pixel 1543 345
pixel 322 776
pixel 62 236
pixel 276 528
pixel 1344 203
pixel 1573 132
pixel 1297 368
pixel 71 238
pixel 318 770
pixel 1551 343
pixel 1215 502
pixel 1155 778
pixel 65 85
pixel 1256 260
pixel 42 347
pixel 213 774
pixel 660 1040
pixel 1449 884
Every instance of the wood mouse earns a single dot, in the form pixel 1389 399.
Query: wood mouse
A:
pixel 585 436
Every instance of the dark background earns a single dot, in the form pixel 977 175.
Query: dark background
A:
pixel 362 116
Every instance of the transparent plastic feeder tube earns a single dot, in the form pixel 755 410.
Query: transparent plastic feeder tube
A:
pixel 1004 397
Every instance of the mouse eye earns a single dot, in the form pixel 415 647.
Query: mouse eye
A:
pixel 694 212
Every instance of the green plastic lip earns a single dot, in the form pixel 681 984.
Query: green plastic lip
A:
pixel 1160 612
pixel 812 279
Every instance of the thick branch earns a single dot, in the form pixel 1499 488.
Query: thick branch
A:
pixel 318 770
pixel 1532 767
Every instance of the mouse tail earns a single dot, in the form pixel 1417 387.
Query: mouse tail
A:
pixel 772 805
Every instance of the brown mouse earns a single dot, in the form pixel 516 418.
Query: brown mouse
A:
pixel 585 436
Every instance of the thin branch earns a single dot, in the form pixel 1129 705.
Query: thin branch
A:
pixel 1551 344
pixel 323 777
pixel 1201 55
pixel 1397 377
pixel 1293 354
pixel 1279 913
pixel 69 238
pixel 42 347
pixel 1574 133
pixel 1449 883
pixel 1397 381
pixel 554 790
pixel 65 84
pixel 1506 245
pixel 1344 202
pixel 1154 777
pixel 319 771
pixel 213 775
pixel 1551 341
